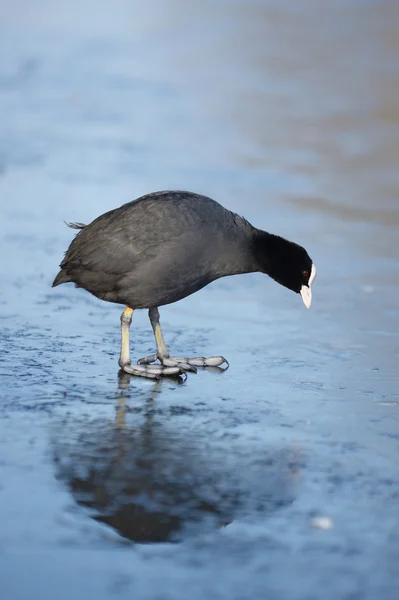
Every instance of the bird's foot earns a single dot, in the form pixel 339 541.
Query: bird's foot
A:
pixel 153 371
pixel 185 364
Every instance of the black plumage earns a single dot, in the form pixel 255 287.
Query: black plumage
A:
pixel 167 245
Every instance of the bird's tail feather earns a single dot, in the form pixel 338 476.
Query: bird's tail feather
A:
pixel 62 277
pixel 75 225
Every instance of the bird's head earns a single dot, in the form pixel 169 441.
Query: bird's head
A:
pixel 287 263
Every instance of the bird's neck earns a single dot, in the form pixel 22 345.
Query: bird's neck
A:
pixel 266 248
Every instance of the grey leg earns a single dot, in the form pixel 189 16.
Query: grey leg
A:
pixel 151 372
pixel 186 364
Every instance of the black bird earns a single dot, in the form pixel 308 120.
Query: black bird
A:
pixel 165 246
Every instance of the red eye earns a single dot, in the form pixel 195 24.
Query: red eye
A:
pixel 305 274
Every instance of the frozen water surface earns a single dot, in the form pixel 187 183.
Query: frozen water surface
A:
pixel 278 478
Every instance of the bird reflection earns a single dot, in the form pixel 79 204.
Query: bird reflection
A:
pixel 154 481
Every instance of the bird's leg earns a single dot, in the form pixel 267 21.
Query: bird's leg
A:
pixel 151 372
pixel 186 364
pixel 126 319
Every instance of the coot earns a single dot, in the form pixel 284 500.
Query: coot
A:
pixel 165 246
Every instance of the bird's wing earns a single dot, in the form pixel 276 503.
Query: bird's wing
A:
pixel 117 241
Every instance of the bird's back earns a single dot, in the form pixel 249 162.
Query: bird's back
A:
pixel 157 249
